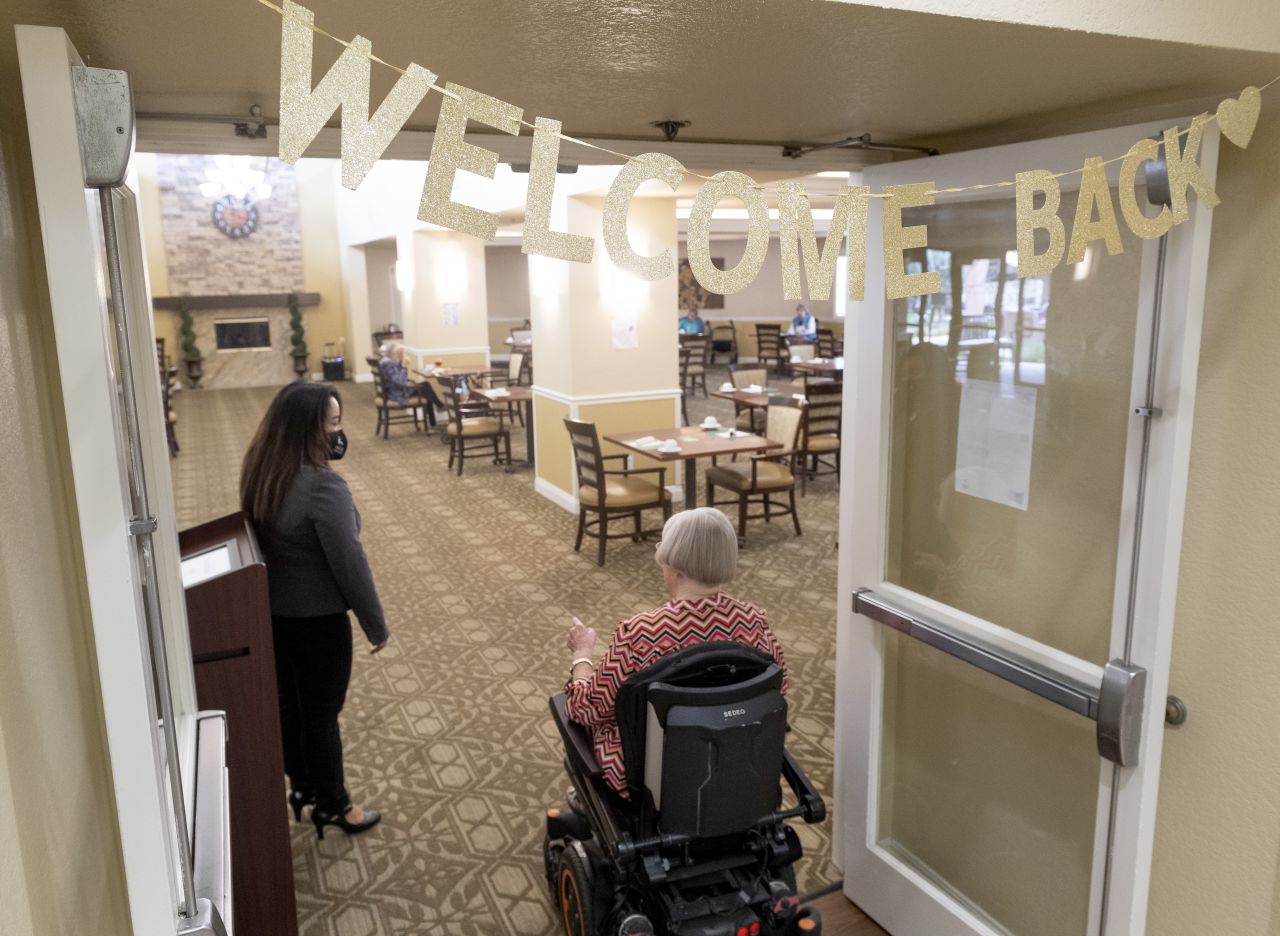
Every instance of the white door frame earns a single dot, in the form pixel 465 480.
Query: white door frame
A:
pixel 887 888
pixel 71 236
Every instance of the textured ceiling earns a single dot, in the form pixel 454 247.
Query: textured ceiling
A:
pixel 747 70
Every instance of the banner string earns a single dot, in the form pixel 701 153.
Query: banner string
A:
pixel 626 157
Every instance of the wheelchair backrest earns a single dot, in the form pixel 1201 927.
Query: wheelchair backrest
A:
pixel 702 736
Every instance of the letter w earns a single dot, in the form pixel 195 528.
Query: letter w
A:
pixel 304 112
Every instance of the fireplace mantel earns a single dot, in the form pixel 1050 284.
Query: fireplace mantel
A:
pixel 241 301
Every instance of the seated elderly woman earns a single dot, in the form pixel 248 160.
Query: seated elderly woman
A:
pixel 395 382
pixel 698 554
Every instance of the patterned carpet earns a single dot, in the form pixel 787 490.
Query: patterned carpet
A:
pixel 447 731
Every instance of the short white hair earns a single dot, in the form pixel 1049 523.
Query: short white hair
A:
pixel 391 347
pixel 701 544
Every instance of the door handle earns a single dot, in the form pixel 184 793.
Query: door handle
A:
pixel 1115 704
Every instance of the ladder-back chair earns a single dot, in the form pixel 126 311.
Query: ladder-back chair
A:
pixel 611 495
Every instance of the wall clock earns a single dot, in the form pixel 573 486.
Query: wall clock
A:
pixel 235 217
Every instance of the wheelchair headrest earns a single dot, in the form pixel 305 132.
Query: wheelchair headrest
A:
pixel 718 687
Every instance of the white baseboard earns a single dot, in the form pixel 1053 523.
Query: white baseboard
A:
pixel 555 495
pixel 362 378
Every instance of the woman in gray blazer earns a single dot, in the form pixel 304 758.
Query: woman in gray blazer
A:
pixel 309 530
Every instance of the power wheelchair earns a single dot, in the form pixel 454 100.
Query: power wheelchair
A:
pixel 702 848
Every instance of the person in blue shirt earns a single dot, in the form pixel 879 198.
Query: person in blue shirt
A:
pixel 804 324
pixel 692 324
pixel 395 382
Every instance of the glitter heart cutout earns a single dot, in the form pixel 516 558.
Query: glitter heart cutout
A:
pixel 1238 116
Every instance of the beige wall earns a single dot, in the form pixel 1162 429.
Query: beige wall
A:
pixel 555 463
pixel 384 304
pixel 763 298
pixel 447 268
pixel 321 271
pixel 326 323
pixel 1217 862
pixel 506 272
pixel 596 289
pixel 60 861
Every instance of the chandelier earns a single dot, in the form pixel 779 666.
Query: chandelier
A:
pixel 236 176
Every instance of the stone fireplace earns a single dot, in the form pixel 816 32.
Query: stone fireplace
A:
pixel 245 340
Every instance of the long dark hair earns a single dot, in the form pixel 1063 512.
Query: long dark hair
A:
pixel 292 434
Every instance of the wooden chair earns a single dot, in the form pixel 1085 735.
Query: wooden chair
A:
pixel 724 340
pixel 743 376
pixel 800 349
pixel 820 433
pixel 388 333
pixel 514 377
pixel 826 343
pixel 611 494
pixel 765 475
pixel 389 410
pixel 769 345
pixel 686 359
pixel 472 426
pixel 695 375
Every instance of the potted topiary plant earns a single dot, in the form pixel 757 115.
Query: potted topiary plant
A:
pixel 190 350
pixel 298 337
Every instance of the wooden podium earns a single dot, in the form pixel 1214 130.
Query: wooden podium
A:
pixel 229 616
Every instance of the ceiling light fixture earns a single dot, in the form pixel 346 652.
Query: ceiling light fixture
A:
pixel 235 176
pixel 670 128
pixel 254 129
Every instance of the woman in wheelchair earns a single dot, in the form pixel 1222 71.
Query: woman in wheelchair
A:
pixel 675 822
pixel 698 554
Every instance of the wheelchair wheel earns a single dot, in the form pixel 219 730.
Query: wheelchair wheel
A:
pixel 574 893
pixel 551 864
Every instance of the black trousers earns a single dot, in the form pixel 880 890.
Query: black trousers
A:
pixel 428 393
pixel 313 669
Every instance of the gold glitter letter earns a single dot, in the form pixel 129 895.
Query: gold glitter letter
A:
pixel 1095 192
pixel 1139 223
pixel 849 215
pixel 538 236
pixel 720 186
pixel 1044 217
pixel 616 242
pixel 449 153
pixel 897 284
pixel 304 112
pixel 1184 171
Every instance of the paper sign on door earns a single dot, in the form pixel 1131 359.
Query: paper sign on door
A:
pixel 993 448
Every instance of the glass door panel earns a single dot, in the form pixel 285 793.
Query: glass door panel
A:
pixel 1003 661
pixel 987 790
pixel 1009 424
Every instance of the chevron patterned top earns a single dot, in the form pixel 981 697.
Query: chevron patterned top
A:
pixel 640 641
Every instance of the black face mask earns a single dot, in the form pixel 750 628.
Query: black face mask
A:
pixel 337 445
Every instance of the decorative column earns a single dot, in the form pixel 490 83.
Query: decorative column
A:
pixel 604 341
pixel 444 300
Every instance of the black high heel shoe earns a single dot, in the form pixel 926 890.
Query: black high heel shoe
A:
pixel 321 819
pixel 297 801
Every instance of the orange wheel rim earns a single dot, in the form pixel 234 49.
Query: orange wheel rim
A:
pixel 571 899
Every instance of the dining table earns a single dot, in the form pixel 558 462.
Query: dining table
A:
pixel 751 400
pixel 466 370
pixel 694 442
pixel 515 394
pixel 826 367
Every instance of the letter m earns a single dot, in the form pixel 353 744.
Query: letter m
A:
pixel 848 217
